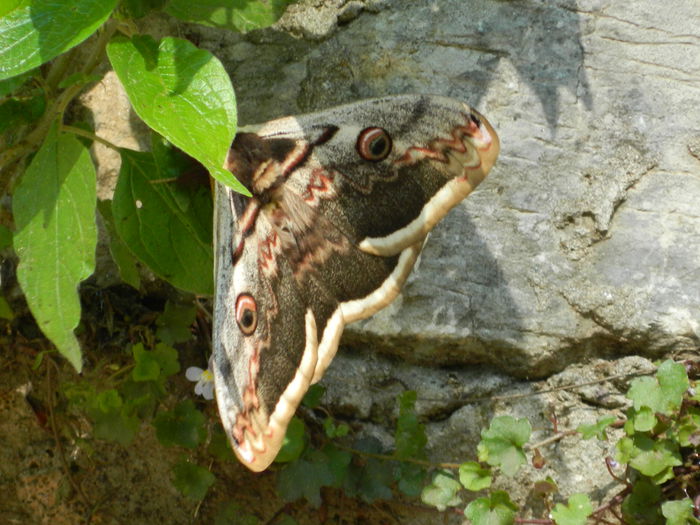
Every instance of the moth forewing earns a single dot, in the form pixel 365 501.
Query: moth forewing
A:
pixel 341 203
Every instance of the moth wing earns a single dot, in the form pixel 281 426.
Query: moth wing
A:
pixel 308 280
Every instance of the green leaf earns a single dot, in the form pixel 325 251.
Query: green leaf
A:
pixel 54 210
pixel 156 364
pixel 15 112
pixel 689 429
pixel 123 258
pixel 234 514
pixel 597 429
pixel 146 367
pixel 411 478
pixel 374 481
pixel 654 458
pixel 304 479
pixel 5 309
pixel 473 476
pixel 293 443
pixel 78 78
pixel 183 426
pixel 643 419
pixel 410 435
pixel 679 512
pixel 35 31
pixel 502 443
pixel 495 509
pixel 5 237
pixel 338 463
pixel 174 323
pixel 219 445
pixel 442 492
pixel 575 513
pixel 662 393
pixel 313 396
pixel 111 419
pixel 10 85
pixel 162 224
pixel 641 507
pixel 238 15
pixel 140 8
pixel 192 480
pixel 183 93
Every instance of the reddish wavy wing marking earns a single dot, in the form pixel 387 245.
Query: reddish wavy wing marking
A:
pixel 341 203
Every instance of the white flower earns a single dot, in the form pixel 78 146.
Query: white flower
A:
pixel 204 379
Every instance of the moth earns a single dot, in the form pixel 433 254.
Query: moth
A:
pixel 342 201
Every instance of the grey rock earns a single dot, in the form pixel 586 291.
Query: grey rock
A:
pixel 582 246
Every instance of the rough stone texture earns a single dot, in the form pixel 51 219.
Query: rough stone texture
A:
pixel 583 243
pixel 585 239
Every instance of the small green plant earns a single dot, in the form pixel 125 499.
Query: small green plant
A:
pixel 182 92
pixel 658 457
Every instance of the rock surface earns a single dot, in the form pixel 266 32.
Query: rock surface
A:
pixel 585 239
pixel 583 243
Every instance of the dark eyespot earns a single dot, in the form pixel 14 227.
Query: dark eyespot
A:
pixel 246 313
pixel 373 144
pixel 475 120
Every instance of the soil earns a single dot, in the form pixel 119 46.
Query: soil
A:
pixel 52 470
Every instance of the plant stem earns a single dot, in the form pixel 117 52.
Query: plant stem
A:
pixel 89 135
pixel 9 158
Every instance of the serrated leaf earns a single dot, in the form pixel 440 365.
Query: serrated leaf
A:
pixel 192 480
pixel 502 443
pixel 219 445
pixel 495 509
pixel 304 479
pixel 183 426
pixel 473 476
pixel 233 513
pixel 597 429
pixel 238 15
pixel 146 366
pixel 410 478
pixel 442 492
pixel 374 481
pixel 662 393
pixel 313 396
pixel 111 419
pixel 182 92
pixel 679 512
pixel 643 419
pixel 641 507
pixel 338 463
pixel 33 32
pixel 150 218
pixel 293 443
pixel 154 365
pixel 167 358
pixel 689 429
pixel 410 435
pixel 54 211
pixel 174 323
pixel 575 513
